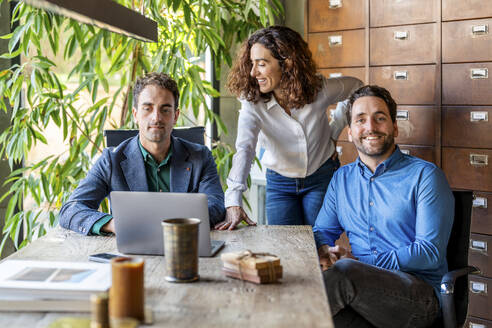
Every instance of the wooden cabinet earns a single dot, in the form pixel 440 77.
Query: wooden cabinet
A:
pixel 358 72
pixel 402 45
pixel 466 41
pixel 435 57
pixel 467 84
pixel 468 168
pixel 467 126
pixel 480 252
pixel 388 12
pixel 338 49
pixel 326 15
pixel 465 9
pixel 416 125
pixel 408 85
pixel 480 297
pixel 482 213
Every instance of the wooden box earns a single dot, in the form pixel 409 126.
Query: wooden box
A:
pixel 408 85
pixel 467 84
pixel 467 127
pixel 467 41
pixel 468 168
pixel 338 49
pixel 403 45
pixel 481 221
pixel 329 15
pixel 391 12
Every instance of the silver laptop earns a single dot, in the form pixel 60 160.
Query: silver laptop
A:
pixel 138 215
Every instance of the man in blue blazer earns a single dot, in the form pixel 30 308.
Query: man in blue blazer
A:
pixel 152 161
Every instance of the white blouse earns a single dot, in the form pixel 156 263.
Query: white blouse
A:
pixel 296 145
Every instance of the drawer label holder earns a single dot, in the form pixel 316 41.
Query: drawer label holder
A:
pixel 479 160
pixel 479 246
pixel 335 4
pixel 478 287
pixel 480 202
pixel 479 73
pixel 479 116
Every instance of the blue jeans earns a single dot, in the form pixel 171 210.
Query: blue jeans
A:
pixel 362 295
pixel 297 201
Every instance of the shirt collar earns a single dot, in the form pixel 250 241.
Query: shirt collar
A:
pixel 385 165
pixel 271 103
pixel 148 158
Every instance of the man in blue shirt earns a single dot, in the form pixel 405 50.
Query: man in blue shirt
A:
pixel 397 211
pixel 152 161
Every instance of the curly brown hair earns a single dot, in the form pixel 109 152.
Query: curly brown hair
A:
pixel 299 83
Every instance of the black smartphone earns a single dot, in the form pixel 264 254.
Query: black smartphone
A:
pixel 103 257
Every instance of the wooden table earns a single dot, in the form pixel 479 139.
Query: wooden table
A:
pixel 214 301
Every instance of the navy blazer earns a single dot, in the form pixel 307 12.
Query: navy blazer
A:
pixel 122 168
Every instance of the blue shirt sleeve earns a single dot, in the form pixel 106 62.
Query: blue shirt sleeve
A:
pixel 434 220
pixel 327 228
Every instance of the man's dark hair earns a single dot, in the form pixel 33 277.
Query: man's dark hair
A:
pixel 160 79
pixel 374 91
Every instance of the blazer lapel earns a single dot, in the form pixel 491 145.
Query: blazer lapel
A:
pixel 133 167
pixel 180 167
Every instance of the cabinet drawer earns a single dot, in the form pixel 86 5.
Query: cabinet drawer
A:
pixel 472 322
pixel 481 221
pixel 480 252
pixel 416 125
pixel 398 12
pixel 465 9
pixel 467 127
pixel 347 153
pixel 480 299
pixel 426 153
pixel 334 15
pixel 338 49
pixel 468 168
pixel 409 85
pixel 402 45
pixel 467 84
pixel 358 72
pixel 467 41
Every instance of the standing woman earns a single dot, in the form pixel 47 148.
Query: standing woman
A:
pixel 283 104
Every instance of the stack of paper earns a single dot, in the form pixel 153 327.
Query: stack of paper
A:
pixel 259 268
pixel 51 286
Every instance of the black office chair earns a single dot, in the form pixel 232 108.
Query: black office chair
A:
pixel 190 133
pixel 454 284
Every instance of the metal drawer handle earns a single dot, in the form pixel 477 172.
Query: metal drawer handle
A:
pixel 478 287
pixel 479 73
pixel 405 151
pixel 479 116
pixel 337 74
pixel 400 35
pixel 480 29
pixel 335 40
pixel 479 159
pixel 334 4
pixel 400 75
pixel 402 115
pixel 476 325
pixel 478 245
pixel 480 202
pixel 340 150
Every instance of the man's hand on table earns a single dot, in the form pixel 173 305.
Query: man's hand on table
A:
pixel 328 255
pixel 108 227
pixel 234 216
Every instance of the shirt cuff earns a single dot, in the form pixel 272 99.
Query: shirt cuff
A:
pixel 96 228
pixel 233 198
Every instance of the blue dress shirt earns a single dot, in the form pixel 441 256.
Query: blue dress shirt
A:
pixel 397 218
